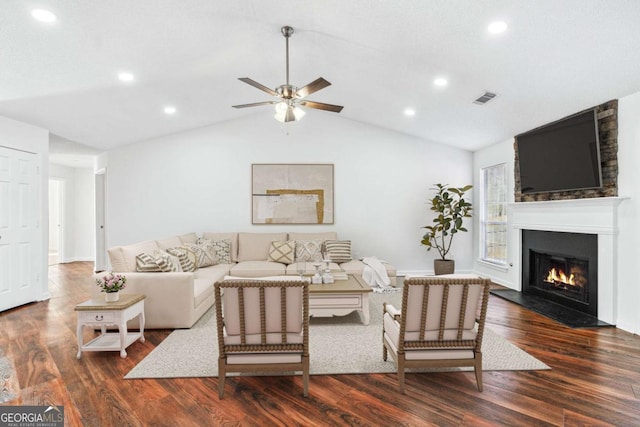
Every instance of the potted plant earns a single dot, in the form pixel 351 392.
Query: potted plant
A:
pixel 450 208
pixel 111 285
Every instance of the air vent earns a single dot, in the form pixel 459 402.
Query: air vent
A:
pixel 486 97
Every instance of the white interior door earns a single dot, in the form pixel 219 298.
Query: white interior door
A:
pixel 18 228
pixel 56 199
pixel 101 247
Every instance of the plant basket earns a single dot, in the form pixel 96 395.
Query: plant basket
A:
pixel 444 266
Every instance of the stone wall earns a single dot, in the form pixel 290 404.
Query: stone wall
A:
pixel 608 132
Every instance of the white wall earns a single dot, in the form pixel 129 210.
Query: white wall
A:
pixel 628 211
pixel 628 293
pixel 200 181
pixel 21 136
pixel 78 212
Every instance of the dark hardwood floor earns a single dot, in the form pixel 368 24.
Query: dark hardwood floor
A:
pixel 594 380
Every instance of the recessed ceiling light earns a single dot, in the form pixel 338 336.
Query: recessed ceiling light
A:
pixel 440 81
pixel 497 27
pixel 126 76
pixel 169 109
pixel 409 112
pixel 43 15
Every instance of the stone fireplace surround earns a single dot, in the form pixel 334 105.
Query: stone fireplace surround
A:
pixel 591 216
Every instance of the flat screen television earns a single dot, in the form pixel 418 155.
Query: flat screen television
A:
pixel 561 156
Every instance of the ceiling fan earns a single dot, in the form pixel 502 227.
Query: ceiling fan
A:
pixel 291 98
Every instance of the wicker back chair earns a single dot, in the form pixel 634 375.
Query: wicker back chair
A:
pixel 263 326
pixel 441 324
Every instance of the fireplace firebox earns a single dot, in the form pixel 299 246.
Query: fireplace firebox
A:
pixel 561 267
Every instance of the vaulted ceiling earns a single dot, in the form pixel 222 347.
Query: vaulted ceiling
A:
pixel 382 57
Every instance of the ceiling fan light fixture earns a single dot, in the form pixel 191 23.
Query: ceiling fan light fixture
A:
pixel 281 107
pixel 298 113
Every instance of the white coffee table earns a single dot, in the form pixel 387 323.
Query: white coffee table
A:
pixel 97 312
pixel 340 298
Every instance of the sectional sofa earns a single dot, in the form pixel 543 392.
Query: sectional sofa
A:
pixel 180 290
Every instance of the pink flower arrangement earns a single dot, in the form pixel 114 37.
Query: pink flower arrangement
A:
pixel 112 283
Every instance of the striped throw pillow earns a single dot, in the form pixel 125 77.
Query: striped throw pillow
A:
pixel 156 262
pixel 338 251
pixel 186 257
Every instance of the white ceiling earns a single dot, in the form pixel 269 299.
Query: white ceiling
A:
pixel 556 58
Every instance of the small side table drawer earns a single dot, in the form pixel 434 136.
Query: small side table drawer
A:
pixel 97 317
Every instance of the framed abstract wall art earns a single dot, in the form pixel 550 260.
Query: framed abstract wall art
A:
pixel 292 193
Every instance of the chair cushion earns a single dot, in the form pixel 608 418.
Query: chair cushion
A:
pixel 261 358
pixel 414 307
pixel 252 311
pixel 392 328
pixel 438 354
pixel 272 338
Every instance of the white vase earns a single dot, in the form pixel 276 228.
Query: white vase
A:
pixel 112 296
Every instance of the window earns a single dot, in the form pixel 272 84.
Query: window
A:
pixel 493 214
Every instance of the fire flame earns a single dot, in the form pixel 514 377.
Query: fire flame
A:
pixel 556 276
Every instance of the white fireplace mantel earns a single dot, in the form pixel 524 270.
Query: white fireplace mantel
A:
pixel 591 216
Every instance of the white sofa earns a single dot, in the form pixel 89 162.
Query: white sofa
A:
pixel 179 299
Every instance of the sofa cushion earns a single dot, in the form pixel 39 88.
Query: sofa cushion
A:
pixel 213 273
pixel 338 250
pixel 257 269
pixel 328 235
pixel 130 252
pixel 308 250
pixel 233 237
pixel 282 252
pixel 255 246
pixel 169 242
pixel 116 259
pixel 202 289
pixel 186 257
pixel 158 261
pixel 188 238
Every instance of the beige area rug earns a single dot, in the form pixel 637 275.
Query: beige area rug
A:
pixel 338 345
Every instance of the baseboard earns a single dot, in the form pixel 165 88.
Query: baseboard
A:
pixel 403 273
pixel 78 259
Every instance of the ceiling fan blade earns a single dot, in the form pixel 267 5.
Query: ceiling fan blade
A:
pixel 322 106
pixel 312 87
pixel 255 84
pixel 255 104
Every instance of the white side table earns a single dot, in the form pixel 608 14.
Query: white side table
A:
pixel 97 312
